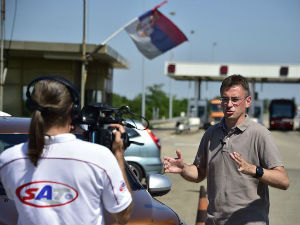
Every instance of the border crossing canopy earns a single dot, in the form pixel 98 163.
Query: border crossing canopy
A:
pixel 269 73
pixel 198 72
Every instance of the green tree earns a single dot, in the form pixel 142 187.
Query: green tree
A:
pixel 179 106
pixel 156 99
pixel 119 100
pixel 134 105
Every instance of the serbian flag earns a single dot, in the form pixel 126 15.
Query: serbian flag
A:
pixel 153 33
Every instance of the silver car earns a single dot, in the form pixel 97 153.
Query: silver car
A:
pixel 144 155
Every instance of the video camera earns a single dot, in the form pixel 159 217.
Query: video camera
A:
pixel 97 118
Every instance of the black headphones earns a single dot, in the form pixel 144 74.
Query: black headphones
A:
pixel 75 95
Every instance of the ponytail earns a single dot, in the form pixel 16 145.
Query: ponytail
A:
pixel 36 137
pixel 55 104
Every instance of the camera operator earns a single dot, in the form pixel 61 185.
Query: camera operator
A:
pixel 56 178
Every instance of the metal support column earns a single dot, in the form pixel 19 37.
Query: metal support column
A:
pixel 197 95
pixel 252 93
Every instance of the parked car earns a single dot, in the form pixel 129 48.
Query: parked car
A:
pixel 187 124
pixel 144 155
pixel 146 209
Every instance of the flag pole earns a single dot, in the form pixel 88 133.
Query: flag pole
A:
pixel 143 105
pixel 84 60
pixel 159 5
pixel 102 44
pixel 143 88
pixel 143 70
pixel 117 32
pixel 2 74
pixel 99 46
pixel 87 56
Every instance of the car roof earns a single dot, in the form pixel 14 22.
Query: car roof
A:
pixel 14 124
pixel 20 125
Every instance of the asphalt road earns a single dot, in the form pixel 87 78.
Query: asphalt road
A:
pixel 183 197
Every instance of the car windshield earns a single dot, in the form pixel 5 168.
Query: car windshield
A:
pixel 132 133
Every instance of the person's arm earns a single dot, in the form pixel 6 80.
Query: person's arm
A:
pixel 118 151
pixel 188 172
pixel 275 177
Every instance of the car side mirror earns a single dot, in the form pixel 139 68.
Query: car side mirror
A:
pixel 158 184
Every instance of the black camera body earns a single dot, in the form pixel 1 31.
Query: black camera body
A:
pixel 105 137
pixel 98 116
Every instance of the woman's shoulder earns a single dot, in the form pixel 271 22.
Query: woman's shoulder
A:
pixel 13 153
pixel 89 144
pixel 91 148
pixel 91 152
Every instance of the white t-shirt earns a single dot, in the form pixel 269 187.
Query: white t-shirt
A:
pixel 74 179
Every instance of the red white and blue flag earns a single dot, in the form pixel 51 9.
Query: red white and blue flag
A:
pixel 153 33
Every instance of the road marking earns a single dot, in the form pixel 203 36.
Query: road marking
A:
pixel 186 144
pixel 167 137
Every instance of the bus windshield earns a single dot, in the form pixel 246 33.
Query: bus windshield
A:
pixel 282 110
pixel 216 108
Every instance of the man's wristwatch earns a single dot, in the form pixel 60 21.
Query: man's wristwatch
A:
pixel 259 172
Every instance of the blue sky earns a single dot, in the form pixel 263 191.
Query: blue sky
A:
pixel 244 32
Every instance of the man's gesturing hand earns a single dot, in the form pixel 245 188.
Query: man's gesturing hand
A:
pixel 244 167
pixel 174 165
